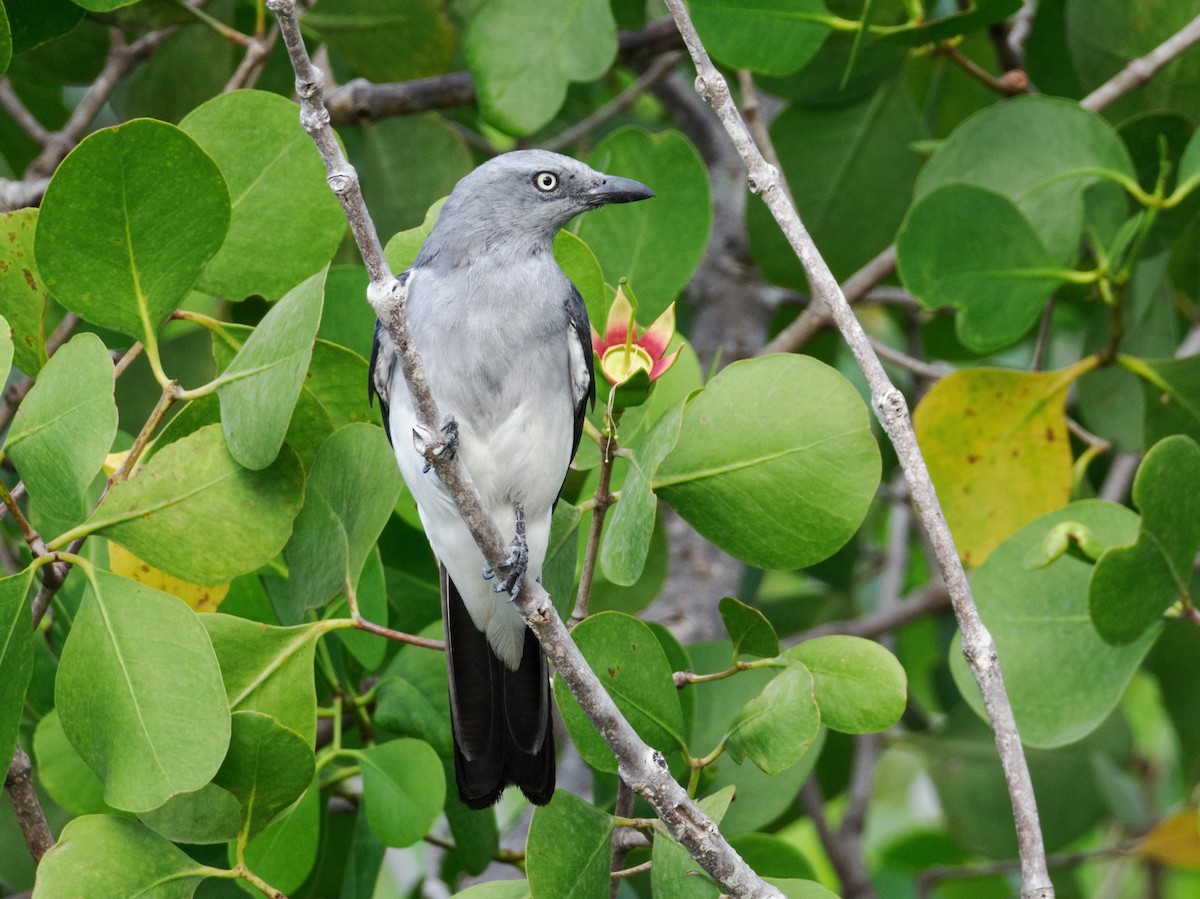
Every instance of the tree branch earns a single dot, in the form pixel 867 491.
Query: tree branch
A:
pixel 643 768
pixel 1141 70
pixel 892 410
pixel 18 783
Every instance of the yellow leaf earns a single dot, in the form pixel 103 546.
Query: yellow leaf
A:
pixel 997 449
pixel 1174 841
pixel 201 597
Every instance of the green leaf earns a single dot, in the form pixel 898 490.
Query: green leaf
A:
pixel 286 852
pixel 203 817
pixel 496 889
pixel 401 251
pixel 127 224
pixel 35 22
pixel 404 788
pixel 558 571
pixel 575 868
pixel 775 463
pixel 347 319
pixel 98 855
pixel 369 649
pixel 794 888
pixel 364 34
pixel 65 427
pixel 268 669
pixel 352 489
pixel 854 211
pixel 195 513
pixel 64 774
pixel 1041 153
pixel 121 687
pixel 773 37
pixel 777 727
pixel 476 836
pixel 1062 679
pixel 16 656
pixel 523 54
pixel 22 293
pixel 749 630
pixel 582 268
pixel 997 448
pixel 761 798
pixel 267 768
pixel 285 222
pixel 1171 389
pixel 981 14
pixel 656 244
pixel 627 537
pixel 396 147
pixel 413 699
pixel 259 389
pixel 860 687
pixel 633 669
pixel 1131 586
pixel 5 41
pixel 972 249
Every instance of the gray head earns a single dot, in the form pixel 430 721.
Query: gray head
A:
pixel 518 201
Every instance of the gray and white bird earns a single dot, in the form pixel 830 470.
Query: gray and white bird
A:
pixel 505 340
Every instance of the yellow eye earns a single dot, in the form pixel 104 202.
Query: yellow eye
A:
pixel 546 181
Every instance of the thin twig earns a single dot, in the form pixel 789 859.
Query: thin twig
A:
pixel 642 767
pixel 657 70
pixel 1043 337
pixel 601 500
pixel 1010 84
pixel 892 409
pixel 816 317
pixel 18 783
pixel 251 66
pixel 1142 69
pixel 930 878
pixel 622 808
pixel 627 872
pixel 926 370
pixel 929 600
pixel 16 108
pixel 848 863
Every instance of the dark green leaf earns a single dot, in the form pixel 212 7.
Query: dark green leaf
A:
pixel 206 816
pixel 774 37
pixel 195 513
pixel 749 630
pixel 121 688
pixel 523 54
pixel 34 22
pixel 267 768
pixel 656 244
pixel 972 249
pixel 65 427
pixel 777 727
pixel 404 788
pixel 285 853
pixel 365 34
pixel 127 224
pixel 1131 586
pixel 574 868
pixel 260 387
pixel 66 776
pixel 370 649
pixel 853 212
pixel 285 221
pixel 860 686
pixel 1171 390
pixel 98 855
pixel 16 656
pixel 775 462
pixel 352 489
pixel 632 668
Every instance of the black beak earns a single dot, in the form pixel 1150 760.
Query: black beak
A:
pixel 612 189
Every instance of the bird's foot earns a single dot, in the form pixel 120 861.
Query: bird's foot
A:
pixel 514 567
pixel 431 448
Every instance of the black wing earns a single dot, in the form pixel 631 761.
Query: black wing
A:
pixel 581 331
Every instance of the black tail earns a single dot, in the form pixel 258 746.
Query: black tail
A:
pixel 500 718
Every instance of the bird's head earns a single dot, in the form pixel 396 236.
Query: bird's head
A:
pixel 526 196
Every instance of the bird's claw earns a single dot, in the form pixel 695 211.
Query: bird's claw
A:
pixel 429 448
pixel 514 567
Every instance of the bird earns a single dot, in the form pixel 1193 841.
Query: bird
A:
pixel 506 345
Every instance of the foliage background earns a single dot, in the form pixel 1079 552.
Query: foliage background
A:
pixel 1029 269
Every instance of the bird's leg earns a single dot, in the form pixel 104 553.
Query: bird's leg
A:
pixel 513 568
pixel 429 448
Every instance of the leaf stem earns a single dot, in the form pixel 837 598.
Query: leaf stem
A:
pixel 601 500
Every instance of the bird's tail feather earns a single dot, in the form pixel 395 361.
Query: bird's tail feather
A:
pixel 500 718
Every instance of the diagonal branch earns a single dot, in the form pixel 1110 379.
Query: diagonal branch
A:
pixel 892 410
pixel 642 767
pixel 1142 69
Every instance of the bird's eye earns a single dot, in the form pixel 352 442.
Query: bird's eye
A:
pixel 545 181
